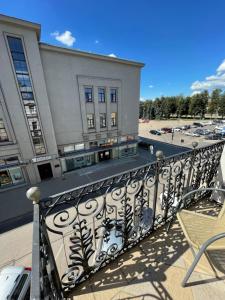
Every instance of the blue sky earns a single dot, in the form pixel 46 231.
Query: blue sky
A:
pixel 182 43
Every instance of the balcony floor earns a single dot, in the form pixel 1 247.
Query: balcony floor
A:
pixel 155 268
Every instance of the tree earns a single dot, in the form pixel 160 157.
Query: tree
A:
pixel 221 105
pixel 198 104
pixel 214 103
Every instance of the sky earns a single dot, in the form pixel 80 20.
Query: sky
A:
pixel 182 43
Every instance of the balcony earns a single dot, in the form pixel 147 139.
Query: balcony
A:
pixel 109 239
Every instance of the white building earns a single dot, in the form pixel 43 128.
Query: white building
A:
pixel 61 109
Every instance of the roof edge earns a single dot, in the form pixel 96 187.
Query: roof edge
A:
pixel 64 50
pixel 22 23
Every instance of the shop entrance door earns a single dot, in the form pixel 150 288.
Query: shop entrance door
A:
pixel 45 171
pixel 104 155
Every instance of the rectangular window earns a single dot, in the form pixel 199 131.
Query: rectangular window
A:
pixel 79 147
pixel 112 141
pixel 88 94
pixel 68 148
pixel 38 144
pixel 16 175
pixel 90 121
pixel 3 133
pixel 34 124
pixel 123 138
pixel 27 95
pixel 101 95
pixel 93 144
pixel 113 95
pixel 24 82
pixel 113 119
pixel 30 110
pixel 102 120
pixel 130 138
pixel 25 86
pixel 5 178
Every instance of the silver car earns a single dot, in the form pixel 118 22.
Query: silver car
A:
pixel 15 283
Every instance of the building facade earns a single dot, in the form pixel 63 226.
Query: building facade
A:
pixel 61 109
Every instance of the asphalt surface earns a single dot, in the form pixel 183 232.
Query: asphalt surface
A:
pixel 16 209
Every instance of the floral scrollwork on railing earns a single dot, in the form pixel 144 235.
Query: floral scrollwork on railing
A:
pixel 97 222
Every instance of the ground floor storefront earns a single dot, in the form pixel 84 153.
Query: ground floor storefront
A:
pixel 77 161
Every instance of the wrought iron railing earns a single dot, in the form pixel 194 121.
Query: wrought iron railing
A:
pixel 79 231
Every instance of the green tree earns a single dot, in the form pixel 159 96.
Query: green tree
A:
pixel 198 104
pixel 214 102
pixel 221 105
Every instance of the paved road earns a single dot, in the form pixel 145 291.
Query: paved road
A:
pixel 16 209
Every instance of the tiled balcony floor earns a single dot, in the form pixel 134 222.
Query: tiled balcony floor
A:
pixel 155 268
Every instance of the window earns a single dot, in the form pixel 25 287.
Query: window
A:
pixel 90 121
pixel 113 119
pixel 27 95
pixel 24 82
pixel 123 138
pixel 130 138
pixel 113 95
pixel 112 141
pixel 33 124
pixel 88 94
pixel 69 148
pixel 16 175
pixel 3 133
pixel 102 120
pixel 25 86
pixel 101 95
pixel 93 144
pixel 30 110
pixel 38 145
pixel 5 178
pixel 79 147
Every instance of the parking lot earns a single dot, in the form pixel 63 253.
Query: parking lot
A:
pixel 183 137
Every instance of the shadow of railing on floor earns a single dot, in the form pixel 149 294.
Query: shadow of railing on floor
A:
pixel 148 262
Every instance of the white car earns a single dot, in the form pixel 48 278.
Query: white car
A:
pixel 195 134
pixel 176 129
pixel 15 283
pixel 187 133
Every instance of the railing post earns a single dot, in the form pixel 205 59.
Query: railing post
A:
pixel 34 195
pixel 159 157
pixel 194 145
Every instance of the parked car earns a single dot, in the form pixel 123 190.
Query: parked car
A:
pixel 15 283
pixel 177 129
pixel 161 131
pixel 185 127
pixel 188 133
pixel 198 124
pixel 167 130
pixel 213 136
pixel 202 131
pixel 155 132
pixel 195 134
pixel 144 145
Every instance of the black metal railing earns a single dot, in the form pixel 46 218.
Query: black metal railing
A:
pixel 81 230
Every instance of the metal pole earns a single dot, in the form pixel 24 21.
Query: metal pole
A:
pixel 34 195
pixel 159 156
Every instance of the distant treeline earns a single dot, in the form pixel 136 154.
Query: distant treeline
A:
pixel 180 106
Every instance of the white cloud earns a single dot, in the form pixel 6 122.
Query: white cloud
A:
pixel 221 67
pixel 112 55
pixel 142 99
pixel 151 86
pixel 96 41
pixel 211 82
pixel 65 38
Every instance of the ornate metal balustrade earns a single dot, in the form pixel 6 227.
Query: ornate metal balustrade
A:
pixel 79 231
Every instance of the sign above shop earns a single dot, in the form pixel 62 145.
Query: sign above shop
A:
pixel 41 158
